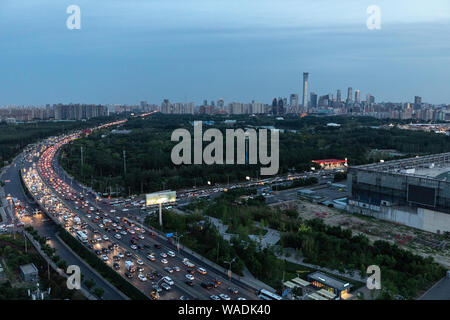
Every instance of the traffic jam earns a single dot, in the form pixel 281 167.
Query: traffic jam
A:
pixel 130 250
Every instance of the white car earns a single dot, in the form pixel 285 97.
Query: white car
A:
pixel 117 236
pixel 134 247
pixel 189 277
pixel 123 232
pixel 163 254
pixel 132 232
pixel 223 296
pixel 139 262
pixel 171 253
pixel 214 297
pixel 142 277
pixel 105 237
pixel 104 257
pixel 164 261
pixel 168 280
pixel 120 255
pixel 141 237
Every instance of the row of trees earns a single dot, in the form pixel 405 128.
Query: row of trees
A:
pixel 148 148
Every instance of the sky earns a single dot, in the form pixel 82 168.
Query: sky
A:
pixel 240 50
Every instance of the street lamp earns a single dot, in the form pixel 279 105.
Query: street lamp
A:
pixel 229 263
pixel 178 237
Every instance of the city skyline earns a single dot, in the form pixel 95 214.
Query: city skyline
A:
pixel 197 50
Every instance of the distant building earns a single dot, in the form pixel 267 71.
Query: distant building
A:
pixel 29 273
pixel 328 164
pixel 338 287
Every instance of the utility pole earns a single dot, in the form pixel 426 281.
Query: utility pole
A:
pixel 124 163
pixel 82 161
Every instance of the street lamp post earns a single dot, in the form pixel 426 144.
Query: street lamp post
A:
pixel 229 263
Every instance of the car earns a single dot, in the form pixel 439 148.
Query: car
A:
pixel 202 270
pixel 142 277
pixel 168 269
pixel 154 295
pixel 133 241
pixel 134 247
pixel 214 297
pixel 117 236
pixel 157 246
pixel 217 281
pixel 163 254
pixel 116 266
pixel 98 252
pixel 120 255
pixel 189 277
pixel 124 233
pixel 168 280
pixel 241 298
pixel 128 275
pixel 104 250
pixel 105 237
pixel 128 254
pixel 165 286
pixel 223 296
pixel 140 269
pixel 164 261
pixel 104 257
pixel 151 257
pixel 157 288
pixel 171 253
pixel 116 258
pixel 150 276
pixel 190 270
pixel 233 290
pixel 207 285
pixel 176 268
pixel 141 237
pixel 140 262
pixel 189 283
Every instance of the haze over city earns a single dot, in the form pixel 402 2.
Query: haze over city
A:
pixel 236 50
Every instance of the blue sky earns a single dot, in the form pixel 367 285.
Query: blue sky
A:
pixel 239 50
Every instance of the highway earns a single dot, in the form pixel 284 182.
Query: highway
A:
pixel 76 202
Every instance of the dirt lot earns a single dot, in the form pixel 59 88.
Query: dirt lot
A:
pixel 417 241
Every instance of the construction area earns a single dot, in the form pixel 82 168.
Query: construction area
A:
pixel 417 241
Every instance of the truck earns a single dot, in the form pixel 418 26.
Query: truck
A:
pixel 129 265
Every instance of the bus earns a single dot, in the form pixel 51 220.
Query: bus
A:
pixel 267 295
pixel 82 236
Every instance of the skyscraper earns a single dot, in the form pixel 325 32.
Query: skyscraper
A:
pixel 338 96
pixel 280 106
pixel 313 101
pixel 305 89
pixel 350 95
pixel 358 96
pixel 274 106
pixel 293 102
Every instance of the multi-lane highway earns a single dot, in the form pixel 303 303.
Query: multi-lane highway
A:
pixel 116 242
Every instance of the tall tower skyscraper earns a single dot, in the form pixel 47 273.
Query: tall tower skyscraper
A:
pixel 305 89
pixel 338 96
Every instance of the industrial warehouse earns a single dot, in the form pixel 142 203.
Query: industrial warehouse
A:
pixel 414 192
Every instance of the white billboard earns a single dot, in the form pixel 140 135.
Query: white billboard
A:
pixel 160 197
